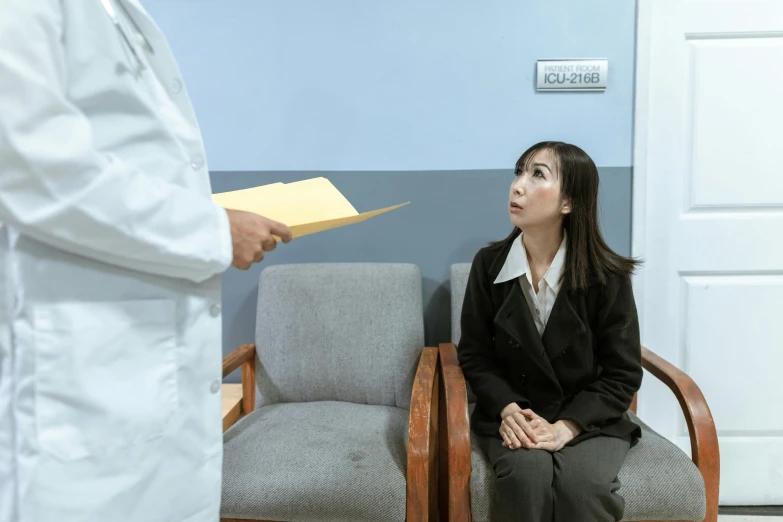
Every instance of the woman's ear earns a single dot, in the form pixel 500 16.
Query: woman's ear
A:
pixel 565 208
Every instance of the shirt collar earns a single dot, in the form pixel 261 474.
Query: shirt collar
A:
pixel 516 264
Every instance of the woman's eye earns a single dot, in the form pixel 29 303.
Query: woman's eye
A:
pixel 538 173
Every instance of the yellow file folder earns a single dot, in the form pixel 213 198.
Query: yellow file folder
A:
pixel 307 207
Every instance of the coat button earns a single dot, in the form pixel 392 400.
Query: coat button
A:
pixel 215 387
pixel 214 310
pixel 197 162
pixel 176 86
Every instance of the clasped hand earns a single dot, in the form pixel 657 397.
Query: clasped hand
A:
pixel 525 429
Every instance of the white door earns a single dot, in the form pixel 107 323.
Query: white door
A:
pixel 708 222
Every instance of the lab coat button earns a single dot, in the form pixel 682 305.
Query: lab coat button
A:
pixel 215 387
pixel 197 162
pixel 215 310
pixel 176 86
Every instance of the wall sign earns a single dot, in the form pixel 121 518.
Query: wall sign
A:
pixel 572 75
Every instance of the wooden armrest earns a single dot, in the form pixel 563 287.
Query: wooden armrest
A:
pixel 244 356
pixel 701 426
pixel 422 473
pixel 454 439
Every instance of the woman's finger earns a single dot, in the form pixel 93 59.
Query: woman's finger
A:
pixel 522 422
pixel 541 428
pixel 508 430
pixel 516 441
pixel 506 440
pixel 513 441
pixel 519 432
pixel 547 446
pixel 530 414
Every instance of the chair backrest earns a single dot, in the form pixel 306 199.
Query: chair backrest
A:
pixel 459 282
pixel 350 332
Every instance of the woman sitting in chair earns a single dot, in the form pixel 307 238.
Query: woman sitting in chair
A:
pixel 550 347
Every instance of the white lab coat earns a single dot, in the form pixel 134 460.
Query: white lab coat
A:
pixel 111 252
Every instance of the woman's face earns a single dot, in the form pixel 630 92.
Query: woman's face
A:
pixel 534 199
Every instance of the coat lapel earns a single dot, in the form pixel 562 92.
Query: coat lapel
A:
pixel 515 319
pixel 563 325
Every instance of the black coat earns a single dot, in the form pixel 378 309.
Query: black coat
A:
pixel 586 367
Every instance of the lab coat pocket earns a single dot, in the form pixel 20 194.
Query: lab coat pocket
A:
pixel 106 375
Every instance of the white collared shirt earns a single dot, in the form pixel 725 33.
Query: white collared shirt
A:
pixel 516 266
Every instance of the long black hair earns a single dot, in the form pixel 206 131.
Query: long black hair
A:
pixel 588 257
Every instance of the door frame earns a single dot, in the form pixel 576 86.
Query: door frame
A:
pixel 654 398
pixel 641 118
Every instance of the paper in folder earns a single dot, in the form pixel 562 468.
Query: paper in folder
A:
pixel 307 207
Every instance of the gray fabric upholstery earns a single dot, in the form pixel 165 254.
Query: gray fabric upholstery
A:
pixel 658 482
pixel 459 282
pixel 338 347
pixel 347 332
pixel 482 483
pixel 324 461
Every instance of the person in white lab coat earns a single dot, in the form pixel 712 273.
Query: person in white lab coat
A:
pixel 111 252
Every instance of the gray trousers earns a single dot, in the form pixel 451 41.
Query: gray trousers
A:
pixel 576 484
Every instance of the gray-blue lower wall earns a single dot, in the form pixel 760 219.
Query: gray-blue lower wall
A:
pixel 451 215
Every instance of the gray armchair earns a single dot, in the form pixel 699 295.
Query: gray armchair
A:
pixel 340 399
pixel 658 480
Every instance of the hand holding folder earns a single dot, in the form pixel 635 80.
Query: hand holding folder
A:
pixel 306 207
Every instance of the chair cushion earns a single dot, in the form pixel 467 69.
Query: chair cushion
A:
pixel 658 482
pixel 317 461
pixel 348 332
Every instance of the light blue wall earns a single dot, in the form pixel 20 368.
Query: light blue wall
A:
pixel 397 84
pixel 427 101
